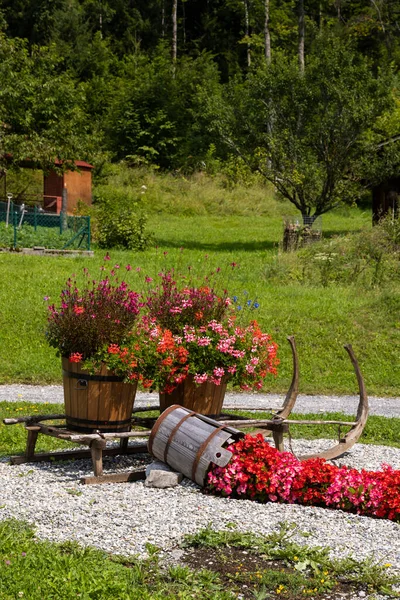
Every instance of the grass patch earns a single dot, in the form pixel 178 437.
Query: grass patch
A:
pixel 13 437
pixel 47 237
pixel 275 566
pixel 222 565
pixel 322 319
pixel 35 570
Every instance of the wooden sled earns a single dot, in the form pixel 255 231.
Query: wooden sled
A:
pixel 96 441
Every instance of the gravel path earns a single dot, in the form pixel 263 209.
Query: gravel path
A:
pixel 122 518
pixel 389 407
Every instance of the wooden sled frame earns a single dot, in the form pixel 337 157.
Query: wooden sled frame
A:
pixel 96 441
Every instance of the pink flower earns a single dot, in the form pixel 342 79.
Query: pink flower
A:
pixel 219 372
pixel 204 341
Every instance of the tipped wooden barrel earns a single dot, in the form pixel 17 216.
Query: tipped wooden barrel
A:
pixel 190 442
pixel 101 401
pixel 206 398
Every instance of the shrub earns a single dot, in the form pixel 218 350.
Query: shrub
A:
pixel 118 221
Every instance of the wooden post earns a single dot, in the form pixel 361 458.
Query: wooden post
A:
pixel 64 206
pixel 96 450
pixel 33 432
pixel 278 440
pixel 123 444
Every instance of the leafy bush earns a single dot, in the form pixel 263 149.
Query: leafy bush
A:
pixel 370 258
pixel 118 224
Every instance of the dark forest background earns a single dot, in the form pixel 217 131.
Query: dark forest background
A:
pixel 303 91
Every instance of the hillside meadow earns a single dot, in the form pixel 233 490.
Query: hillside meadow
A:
pixel 246 248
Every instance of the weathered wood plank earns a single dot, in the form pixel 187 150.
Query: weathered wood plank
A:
pixel 86 438
pixel 115 478
pixel 74 454
pixel 32 419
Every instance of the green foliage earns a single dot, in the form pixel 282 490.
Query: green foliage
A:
pixel 369 258
pixel 27 237
pixel 233 190
pixel 35 569
pixel 40 107
pixel 303 131
pixel 156 115
pixel 119 222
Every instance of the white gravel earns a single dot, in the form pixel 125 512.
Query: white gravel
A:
pixel 123 518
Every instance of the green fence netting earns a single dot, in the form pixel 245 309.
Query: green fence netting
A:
pixel 28 226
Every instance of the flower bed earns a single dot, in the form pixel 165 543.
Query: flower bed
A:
pixel 257 471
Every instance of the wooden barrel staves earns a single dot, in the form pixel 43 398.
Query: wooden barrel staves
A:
pixel 189 442
pixel 101 401
pixel 206 398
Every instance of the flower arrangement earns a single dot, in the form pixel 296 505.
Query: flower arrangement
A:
pixel 212 352
pixel 188 331
pixel 92 315
pixel 174 306
pixel 258 471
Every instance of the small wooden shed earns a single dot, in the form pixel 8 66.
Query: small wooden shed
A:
pixel 78 185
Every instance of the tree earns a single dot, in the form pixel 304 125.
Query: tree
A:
pixel 304 132
pixel 156 116
pixel 41 115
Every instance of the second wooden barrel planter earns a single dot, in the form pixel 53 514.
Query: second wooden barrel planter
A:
pixel 189 442
pixel 101 401
pixel 206 398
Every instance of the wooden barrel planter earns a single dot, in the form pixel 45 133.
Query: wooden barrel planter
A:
pixel 101 401
pixel 189 442
pixel 206 398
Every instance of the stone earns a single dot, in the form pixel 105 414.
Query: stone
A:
pixel 160 475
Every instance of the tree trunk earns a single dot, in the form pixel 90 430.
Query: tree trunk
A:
pixel 247 30
pixel 163 19
pixel 174 32
pixel 301 35
pixel 267 36
pixel 184 24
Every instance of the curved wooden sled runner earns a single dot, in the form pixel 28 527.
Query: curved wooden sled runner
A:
pixel 280 423
pixel 353 435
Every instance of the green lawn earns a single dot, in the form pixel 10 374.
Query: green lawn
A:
pixel 321 318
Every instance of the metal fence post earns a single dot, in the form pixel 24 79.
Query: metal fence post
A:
pixel 15 225
pixel 88 233
pixel 63 214
pixel 35 217
pixel 9 205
